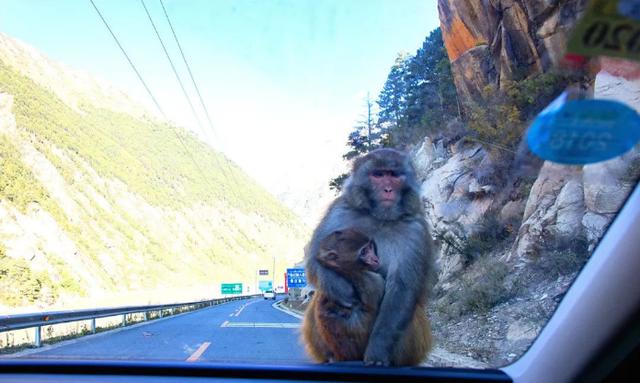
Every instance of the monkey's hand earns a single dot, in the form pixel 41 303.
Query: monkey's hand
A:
pixel 374 358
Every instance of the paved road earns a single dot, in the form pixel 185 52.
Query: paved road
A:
pixel 240 331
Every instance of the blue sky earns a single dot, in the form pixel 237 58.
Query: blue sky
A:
pixel 282 79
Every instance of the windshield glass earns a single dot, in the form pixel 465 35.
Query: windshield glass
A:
pixel 164 166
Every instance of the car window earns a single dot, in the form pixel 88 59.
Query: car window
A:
pixel 164 165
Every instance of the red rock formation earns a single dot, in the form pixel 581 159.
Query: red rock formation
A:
pixel 489 41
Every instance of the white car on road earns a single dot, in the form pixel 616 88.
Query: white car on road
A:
pixel 269 294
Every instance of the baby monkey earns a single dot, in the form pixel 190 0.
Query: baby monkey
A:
pixel 332 332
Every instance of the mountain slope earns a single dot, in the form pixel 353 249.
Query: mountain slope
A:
pixel 95 200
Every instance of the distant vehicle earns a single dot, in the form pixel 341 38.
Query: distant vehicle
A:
pixel 269 294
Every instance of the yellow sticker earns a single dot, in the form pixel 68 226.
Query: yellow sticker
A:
pixel 608 28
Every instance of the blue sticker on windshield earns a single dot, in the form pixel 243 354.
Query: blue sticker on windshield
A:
pixel 581 132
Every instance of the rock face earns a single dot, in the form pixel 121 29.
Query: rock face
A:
pixel 455 199
pixel 492 41
pixel 510 249
pixel 572 202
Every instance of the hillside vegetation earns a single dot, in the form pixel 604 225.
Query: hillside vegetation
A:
pixel 94 201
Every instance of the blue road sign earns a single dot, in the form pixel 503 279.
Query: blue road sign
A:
pixel 296 278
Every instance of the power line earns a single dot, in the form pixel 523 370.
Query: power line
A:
pixel 184 145
pixel 166 53
pixel 175 36
pixel 195 85
pixel 129 60
pixel 497 146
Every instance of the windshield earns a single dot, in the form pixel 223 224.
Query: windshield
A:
pixel 164 166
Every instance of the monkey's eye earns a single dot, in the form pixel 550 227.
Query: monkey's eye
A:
pixel 377 173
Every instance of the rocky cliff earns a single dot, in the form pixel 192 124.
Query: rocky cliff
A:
pixel 493 41
pixel 510 246
pixel 507 255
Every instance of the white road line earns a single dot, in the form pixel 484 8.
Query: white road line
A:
pixel 259 325
pixel 196 355
pixel 243 307
pixel 278 306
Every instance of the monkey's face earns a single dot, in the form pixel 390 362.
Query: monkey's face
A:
pixel 386 186
pixel 368 256
pixel 383 185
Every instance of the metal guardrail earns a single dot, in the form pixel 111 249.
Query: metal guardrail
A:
pixel 38 320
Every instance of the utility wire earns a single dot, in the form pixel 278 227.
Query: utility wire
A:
pixel 184 145
pixel 206 111
pixel 166 53
pixel 497 146
pixel 195 85
pixel 129 60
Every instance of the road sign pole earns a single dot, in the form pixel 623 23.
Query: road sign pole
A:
pixel 286 285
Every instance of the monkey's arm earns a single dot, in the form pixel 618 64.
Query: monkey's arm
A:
pixel 330 283
pixel 407 282
pixel 396 311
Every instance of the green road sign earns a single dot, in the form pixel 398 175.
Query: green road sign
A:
pixel 231 288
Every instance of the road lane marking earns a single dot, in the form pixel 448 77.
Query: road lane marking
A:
pixel 242 308
pixel 260 325
pixel 286 310
pixel 196 355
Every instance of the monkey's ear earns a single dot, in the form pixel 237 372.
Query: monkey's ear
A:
pixel 412 202
pixel 356 194
pixel 328 255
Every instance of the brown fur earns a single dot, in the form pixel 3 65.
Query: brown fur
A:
pixel 332 332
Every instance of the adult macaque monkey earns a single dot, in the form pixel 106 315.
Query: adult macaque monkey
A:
pixel 381 199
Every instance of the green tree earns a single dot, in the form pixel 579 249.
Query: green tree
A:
pixel 365 137
pixel 392 98
pixel 417 99
pixel 498 118
pixel 419 96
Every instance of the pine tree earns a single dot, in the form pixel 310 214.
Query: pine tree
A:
pixel 364 137
pixel 419 96
pixel 418 99
pixel 392 99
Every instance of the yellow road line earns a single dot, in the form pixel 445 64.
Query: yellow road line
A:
pixel 196 355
